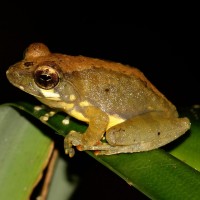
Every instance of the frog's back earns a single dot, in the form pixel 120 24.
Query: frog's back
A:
pixel 118 89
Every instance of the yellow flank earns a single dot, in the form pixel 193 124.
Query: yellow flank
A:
pixel 114 120
pixel 84 103
pixel 63 106
pixel 78 115
pixel 68 106
pixel 50 94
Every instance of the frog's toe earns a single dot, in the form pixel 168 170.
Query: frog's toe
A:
pixel 68 147
pixel 70 152
pixel 72 139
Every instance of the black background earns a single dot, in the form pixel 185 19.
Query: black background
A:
pixel 162 40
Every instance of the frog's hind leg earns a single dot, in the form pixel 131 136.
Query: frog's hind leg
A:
pixel 145 132
pixel 141 133
pixel 106 149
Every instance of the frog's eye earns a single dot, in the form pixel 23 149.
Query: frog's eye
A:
pixel 46 77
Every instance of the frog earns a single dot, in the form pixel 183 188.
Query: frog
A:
pixel 124 111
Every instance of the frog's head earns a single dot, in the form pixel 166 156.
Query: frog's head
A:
pixel 40 75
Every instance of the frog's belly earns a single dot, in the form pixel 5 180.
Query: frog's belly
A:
pixel 113 120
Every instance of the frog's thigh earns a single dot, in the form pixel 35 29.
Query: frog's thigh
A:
pixel 145 132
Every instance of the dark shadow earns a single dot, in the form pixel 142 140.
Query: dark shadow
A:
pixel 172 145
pixel 97 182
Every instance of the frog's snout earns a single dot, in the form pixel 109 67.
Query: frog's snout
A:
pixel 12 75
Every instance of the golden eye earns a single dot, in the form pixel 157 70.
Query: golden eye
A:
pixel 46 77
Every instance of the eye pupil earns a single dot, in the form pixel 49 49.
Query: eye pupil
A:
pixel 46 77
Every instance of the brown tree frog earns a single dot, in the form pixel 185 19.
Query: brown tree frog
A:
pixel 116 100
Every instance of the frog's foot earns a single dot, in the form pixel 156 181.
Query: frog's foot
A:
pixel 107 149
pixel 110 150
pixel 76 139
pixel 72 139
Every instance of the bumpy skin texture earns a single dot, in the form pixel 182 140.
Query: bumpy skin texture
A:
pixel 115 99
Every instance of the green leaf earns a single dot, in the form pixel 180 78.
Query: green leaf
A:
pixel 157 173
pixel 188 149
pixel 24 153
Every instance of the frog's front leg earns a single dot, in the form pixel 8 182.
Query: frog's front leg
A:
pixel 142 133
pixel 98 122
